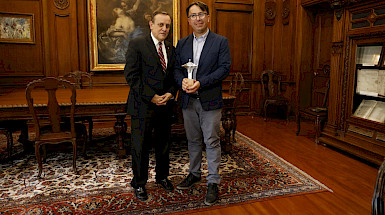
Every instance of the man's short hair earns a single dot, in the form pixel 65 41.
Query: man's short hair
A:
pixel 201 5
pixel 158 12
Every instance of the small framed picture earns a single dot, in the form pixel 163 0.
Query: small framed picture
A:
pixel 17 28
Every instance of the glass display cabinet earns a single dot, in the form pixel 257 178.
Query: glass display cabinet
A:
pixel 356 117
pixel 369 95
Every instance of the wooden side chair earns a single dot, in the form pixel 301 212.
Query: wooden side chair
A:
pixel 81 80
pixel 236 86
pixel 318 112
pixel 271 92
pixel 47 114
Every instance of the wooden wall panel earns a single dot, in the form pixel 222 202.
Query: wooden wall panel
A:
pixel 237 26
pixel 20 60
pixel 235 22
pixel 64 49
pixel 322 39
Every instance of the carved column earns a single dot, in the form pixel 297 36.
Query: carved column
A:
pixel 336 107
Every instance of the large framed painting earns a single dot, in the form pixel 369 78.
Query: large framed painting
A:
pixel 113 23
pixel 17 28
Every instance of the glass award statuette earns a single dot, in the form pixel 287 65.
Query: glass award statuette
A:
pixel 190 66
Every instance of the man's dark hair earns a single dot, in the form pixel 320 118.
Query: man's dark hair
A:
pixel 201 5
pixel 159 12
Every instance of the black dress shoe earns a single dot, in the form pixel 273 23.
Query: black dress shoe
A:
pixel 141 193
pixel 188 182
pixel 166 184
pixel 212 194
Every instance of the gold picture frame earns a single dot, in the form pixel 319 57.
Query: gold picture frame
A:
pixel 17 28
pixel 108 41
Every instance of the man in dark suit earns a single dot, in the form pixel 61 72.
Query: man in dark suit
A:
pixel 202 102
pixel 149 73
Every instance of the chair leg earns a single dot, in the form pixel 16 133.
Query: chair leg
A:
pixel 8 134
pixel 298 123
pixel 38 159
pixel 44 154
pixel 90 127
pixel 84 140
pixel 74 148
pixel 317 129
pixel 287 113
pixel 265 111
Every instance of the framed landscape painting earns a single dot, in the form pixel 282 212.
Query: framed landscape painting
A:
pixel 112 24
pixel 17 28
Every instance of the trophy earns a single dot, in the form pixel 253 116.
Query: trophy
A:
pixel 190 66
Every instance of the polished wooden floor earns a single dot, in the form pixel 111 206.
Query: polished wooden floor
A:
pixel 351 180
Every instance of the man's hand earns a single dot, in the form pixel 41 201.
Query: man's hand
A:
pixel 194 87
pixel 164 99
pixel 156 99
pixel 190 89
pixel 185 84
pixel 161 100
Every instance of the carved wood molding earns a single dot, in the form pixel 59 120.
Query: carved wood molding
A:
pixel 337 48
pixel 345 89
pixel 270 12
pixel 286 12
pixel 61 4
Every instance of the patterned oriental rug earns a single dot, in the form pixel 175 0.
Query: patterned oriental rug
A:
pixel 250 173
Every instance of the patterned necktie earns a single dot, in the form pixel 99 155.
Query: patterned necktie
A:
pixel 161 57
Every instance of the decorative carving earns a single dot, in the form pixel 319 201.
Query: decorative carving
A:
pixel 337 48
pixel 345 89
pixel 270 12
pixel 326 70
pixel 372 18
pixel 337 6
pixel 286 12
pixel 61 4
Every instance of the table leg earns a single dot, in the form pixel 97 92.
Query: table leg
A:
pixel 120 128
pixel 228 125
pixel 23 138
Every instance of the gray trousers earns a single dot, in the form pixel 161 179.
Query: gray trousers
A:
pixel 200 124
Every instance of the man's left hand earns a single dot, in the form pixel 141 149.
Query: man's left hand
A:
pixel 194 87
pixel 165 98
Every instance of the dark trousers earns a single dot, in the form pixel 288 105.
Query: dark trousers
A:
pixel 142 139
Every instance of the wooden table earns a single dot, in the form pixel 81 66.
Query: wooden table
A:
pixel 100 101
pixel 96 101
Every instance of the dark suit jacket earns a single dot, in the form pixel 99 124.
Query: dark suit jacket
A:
pixel 214 66
pixel 144 75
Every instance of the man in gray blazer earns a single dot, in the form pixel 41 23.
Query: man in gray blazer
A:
pixel 202 102
pixel 149 73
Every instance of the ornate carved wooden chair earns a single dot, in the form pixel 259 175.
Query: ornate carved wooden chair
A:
pixel 78 77
pixel 236 87
pixel 47 114
pixel 271 92
pixel 318 112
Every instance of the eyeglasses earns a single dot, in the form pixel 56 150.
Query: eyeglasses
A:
pixel 194 16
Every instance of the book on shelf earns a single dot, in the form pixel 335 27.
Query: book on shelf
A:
pixel 371 82
pixel 371 110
